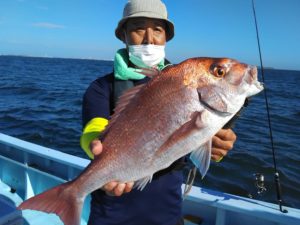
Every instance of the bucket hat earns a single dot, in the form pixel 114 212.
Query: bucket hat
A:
pixel 145 8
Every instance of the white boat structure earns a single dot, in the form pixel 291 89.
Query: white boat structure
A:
pixel 27 169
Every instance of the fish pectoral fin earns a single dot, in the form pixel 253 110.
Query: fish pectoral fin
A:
pixel 194 124
pixel 201 157
pixel 141 183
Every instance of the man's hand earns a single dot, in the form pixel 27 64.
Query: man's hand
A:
pixel 222 142
pixel 112 188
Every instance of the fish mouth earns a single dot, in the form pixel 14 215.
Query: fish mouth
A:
pixel 251 78
pixel 251 75
pixel 259 85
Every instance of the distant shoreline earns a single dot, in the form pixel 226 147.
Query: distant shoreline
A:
pixel 54 57
pixel 107 60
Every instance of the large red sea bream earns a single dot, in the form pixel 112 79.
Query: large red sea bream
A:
pixel 176 113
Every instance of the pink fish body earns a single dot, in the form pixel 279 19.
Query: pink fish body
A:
pixel 176 113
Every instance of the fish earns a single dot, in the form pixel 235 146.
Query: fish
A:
pixel 175 114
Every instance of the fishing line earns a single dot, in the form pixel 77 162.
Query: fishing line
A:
pixel 276 173
pixel 265 89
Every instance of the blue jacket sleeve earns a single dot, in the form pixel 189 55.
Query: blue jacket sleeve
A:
pixel 97 100
pixel 96 110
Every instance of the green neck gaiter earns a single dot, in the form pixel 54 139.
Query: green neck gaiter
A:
pixel 123 72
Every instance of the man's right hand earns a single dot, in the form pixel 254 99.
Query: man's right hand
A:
pixel 112 188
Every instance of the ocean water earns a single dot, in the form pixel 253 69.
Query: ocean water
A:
pixel 40 102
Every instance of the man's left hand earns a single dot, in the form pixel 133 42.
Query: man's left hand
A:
pixel 222 142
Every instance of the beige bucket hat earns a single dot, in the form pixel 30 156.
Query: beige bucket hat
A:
pixel 145 8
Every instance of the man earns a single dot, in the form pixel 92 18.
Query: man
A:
pixel 144 29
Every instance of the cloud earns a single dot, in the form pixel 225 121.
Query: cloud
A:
pixel 48 25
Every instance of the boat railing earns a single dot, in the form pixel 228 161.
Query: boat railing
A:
pixel 38 167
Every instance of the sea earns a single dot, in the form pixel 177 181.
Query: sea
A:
pixel 40 102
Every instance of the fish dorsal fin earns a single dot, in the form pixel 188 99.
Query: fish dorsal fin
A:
pixel 122 102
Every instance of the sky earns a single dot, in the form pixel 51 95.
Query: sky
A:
pixel 203 28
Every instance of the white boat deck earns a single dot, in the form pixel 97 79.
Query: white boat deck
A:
pixel 27 169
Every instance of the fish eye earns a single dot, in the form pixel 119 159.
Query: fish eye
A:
pixel 219 71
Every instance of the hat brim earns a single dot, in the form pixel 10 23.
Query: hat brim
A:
pixel 169 24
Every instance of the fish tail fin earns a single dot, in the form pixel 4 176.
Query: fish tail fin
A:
pixel 61 200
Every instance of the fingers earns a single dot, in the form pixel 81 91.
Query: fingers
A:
pixel 109 186
pixel 222 142
pixel 224 139
pixel 128 187
pixel 117 189
pixel 219 143
pixel 96 147
pixel 218 154
pixel 226 135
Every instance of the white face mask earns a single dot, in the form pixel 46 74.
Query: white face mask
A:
pixel 146 55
